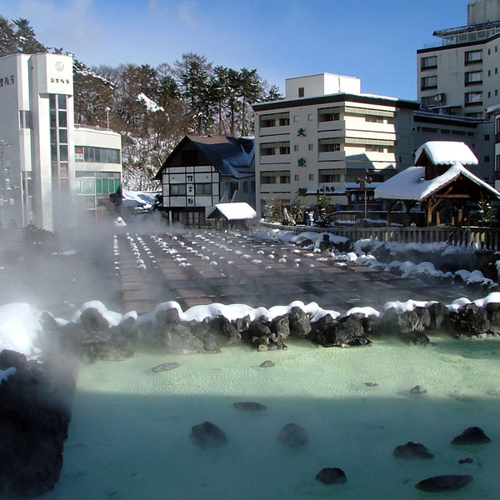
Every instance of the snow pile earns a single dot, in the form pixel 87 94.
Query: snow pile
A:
pixel 19 329
pixel 150 105
pixel 362 254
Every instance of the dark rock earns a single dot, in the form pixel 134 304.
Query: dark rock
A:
pixel 347 331
pixel 412 451
pixel 493 312
pixel 267 364
pixel 249 406
pixel 226 329
pixel 208 435
pixel 467 460
pixel 35 411
pixel 93 321
pixel 471 435
pixel 331 475
pixel 165 367
pixel 418 389
pixel 179 339
pixel 371 384
pixel 469 320
pixel 438 314
pixel 300 324
pixel 280 326
pixel 452 482
pixel 409 326
pixel 293 435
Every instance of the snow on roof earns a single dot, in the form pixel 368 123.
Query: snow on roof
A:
pixel 411 185
pixel 447 153
pixel 233 211
pixel 144 199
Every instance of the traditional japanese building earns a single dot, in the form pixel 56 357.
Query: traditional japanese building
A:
pixel 204 171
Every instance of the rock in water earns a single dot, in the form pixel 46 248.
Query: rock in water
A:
pixel 267 364
pixel 472 435
pixel 208 435
pixel 249 406
pixel 165 367
pixel 331 475
pixel 411 451
pixel 293 435
pixel 418 389
pixel 452 482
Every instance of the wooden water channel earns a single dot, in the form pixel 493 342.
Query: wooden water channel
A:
pixel 209 267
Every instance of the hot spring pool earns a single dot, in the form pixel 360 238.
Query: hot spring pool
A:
pixel 129 437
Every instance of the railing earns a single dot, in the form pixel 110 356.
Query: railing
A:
pixel 485 238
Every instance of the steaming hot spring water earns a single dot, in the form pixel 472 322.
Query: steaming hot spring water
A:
pixel 130 432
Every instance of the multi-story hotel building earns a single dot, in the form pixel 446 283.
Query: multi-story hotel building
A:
pixel 326 136
pixel 461 76
pixel 51 171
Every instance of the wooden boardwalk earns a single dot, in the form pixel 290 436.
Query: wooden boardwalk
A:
pixel 203 267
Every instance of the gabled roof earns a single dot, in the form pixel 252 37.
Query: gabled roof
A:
pixel 411 185
pixel 447 153
pixel 232 211
pixel 226 154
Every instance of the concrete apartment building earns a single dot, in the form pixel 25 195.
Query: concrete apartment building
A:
pixel 51 171
pixel 460 77
pixel 325 137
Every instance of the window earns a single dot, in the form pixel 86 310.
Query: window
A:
pixel 311 177
pixel 473 56
pixel 245 186
pixel 428 62
pixel 274 120
pixel 372 148
pixel 177 189
pixel 328 115
pixel 285 178
pixel 328 145
pixel 486 159
pixel 311 147
pixel 374 119
pixel 297 177
pixel 497 163
pixel 296 148
pixel 473 98
pixel 473 77
pixel 267 178
pixel 428 82
pixel 267 122
pixel 275 148
pixel 301 92
pixel 329 176
pixel 487 137
pixel 97 155
pixel 203 189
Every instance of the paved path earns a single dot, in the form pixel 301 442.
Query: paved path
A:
pixel 205 267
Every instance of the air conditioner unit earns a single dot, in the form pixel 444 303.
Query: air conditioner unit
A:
pixel 440 99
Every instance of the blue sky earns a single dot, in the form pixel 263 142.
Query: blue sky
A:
pixel 375 40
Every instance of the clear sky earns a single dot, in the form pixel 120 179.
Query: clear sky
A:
pixel 375 40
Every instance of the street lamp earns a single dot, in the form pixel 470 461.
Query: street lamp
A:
pixel 362 185
pixel 108 109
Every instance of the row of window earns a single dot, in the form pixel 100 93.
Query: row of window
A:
pixel 470 78
pixel 204 189
pixel 445 131
pixel 324 115
pixel 470 57
pixel 283 177
pixel 326 145
pixel 92 154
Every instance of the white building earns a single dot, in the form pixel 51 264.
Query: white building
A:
pixel 49 168
pixel 326 135
pixel 461 76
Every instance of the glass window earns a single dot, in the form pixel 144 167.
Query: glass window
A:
pixel 63 153
pixel 63 119
pixel 63 136
pixel 104 185
pixel 52 101
pixel 98 186
pixel 61 101
pixel 64 170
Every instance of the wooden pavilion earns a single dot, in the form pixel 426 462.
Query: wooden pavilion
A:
pixel 440 177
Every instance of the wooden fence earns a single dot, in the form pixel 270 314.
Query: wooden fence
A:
pixel 485 238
